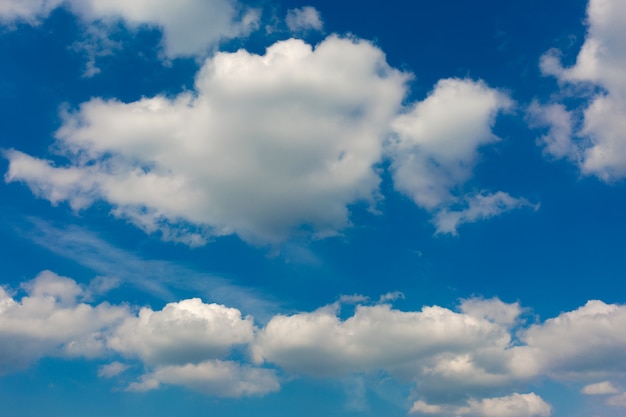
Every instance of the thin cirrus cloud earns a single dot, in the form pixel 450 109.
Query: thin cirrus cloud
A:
pixel 458 362
pixel 592 135
pixel 318 122
pixel 157 277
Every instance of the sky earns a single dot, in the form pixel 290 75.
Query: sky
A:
pixel 330 208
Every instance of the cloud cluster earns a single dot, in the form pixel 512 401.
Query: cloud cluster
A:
pixel 317 121
pixel 185 343
pixel 453 357
pixel 592 136
pixel 458 361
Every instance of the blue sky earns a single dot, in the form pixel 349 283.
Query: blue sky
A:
pixel 302 209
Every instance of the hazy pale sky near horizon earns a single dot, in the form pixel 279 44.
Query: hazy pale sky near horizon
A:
pixel 285 208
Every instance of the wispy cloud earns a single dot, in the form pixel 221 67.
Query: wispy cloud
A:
pixel 156 277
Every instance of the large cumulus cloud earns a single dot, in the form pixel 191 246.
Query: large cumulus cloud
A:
pixel 268 145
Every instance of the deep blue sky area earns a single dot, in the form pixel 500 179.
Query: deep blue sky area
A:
pixel 290 208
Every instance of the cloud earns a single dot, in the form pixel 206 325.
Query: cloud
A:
pixel 215 378
pixel 304 19
pixel 600 388
pixel 29 11
pixel 437 146
pixel 49 321
pixel 515 405
pixel 458 362
pixel 478 207
pixel 494 310
pixel 421 407
pixel 178 345
pixel 159 278
pixel 315 122
pixel 451 356
pixel 188 331
pixel 375 337
pixel 191 28
pixel 599 145
pixel 557 142
pixel 438 139
pixel 112 369
pixel 583 343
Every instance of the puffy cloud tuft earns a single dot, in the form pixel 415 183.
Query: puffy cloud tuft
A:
pixel 304 19
pixel 183 332
pixel 493 310
pixel 600 388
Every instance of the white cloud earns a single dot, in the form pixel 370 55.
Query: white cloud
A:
pixel 193 27
pixel 112 369
pixel 421 407
pixel 515 405
pixel 438 139
pixel 437 146
pixel 558 141
pixel 304 19
pixel 188 331
pixel 29 11
pixel 375 337
pixel 190 28
pixel 585 343
pixel 478 207
pixel 49 321
pixel 178 345
pixel 215 378
pixel 601 62
pixel 315 122
pixel 452 357
pixel 600 388
pixel 493 309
